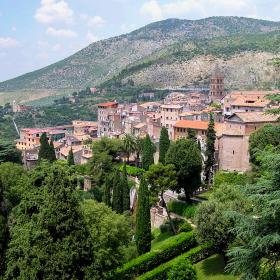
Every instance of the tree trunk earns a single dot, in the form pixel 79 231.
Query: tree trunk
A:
pixel 168 214
pixel 188 197
pixel 128 155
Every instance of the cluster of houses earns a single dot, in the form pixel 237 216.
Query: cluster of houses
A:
pixel 237 114
pixel 77 136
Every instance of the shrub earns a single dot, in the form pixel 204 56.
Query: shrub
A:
pixel 194 255
pixel 132 170
pixel 164 228
pixel 182 271
pixel 230 178
pixel 169 249
pixel 182 208
pixel 185 227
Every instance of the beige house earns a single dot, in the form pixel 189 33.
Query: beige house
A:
pixel 170 114
pixel 234 141
pixel 108 118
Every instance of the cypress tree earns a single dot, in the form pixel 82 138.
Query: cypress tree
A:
pixel 125 190
pixel 210 149
pixel 106 198
pixel 117 203
pixel 191 134
pixel 148 153
pixel 51 156
pixel 143 219
pixel 164 144
pixel 70 158
pixel 44 147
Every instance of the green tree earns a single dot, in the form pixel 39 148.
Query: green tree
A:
pixel 106 198
pixel 125 189
pixel 70 158
pixel 182 271
pixel 257 247
pixel 129 144
pixel 210 150
pixel 117 202
pixel 162 178
pixel 49 239
pixel 51 156
pixel 185 155
pixel 3 229
pixel 148 153
pixel 164 144
pixel 9 153
pixel 143 219
pixel 214 225
pixel 110 235
pixel 191 134
pixel 267 135
pixel 139 145
pixel 44 147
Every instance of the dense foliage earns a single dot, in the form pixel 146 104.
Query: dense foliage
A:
pixel 143 219
pixel 185 155
pixel 164 144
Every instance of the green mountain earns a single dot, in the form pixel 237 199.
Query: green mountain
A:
pixel 167 53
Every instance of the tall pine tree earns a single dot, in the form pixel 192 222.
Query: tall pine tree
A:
pixel 148 153
pixel 164 144
pixel 44 150
pixel 117 202
pixel 70 158
pixel 143 219
pixel 106 198
pixel 125 190
pixel 210 150
pixel 51 156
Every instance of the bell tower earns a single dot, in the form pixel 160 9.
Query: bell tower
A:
pixel 217 89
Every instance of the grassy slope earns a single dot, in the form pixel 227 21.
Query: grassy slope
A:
pixel 213 269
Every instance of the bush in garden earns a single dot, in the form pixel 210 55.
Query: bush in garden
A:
pixel 182 271
pixel 185 227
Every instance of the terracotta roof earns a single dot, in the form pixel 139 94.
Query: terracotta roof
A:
pixel 199 125
pixel 65 150
pixel 107 104
pixel 255 117
pixel 250 102
pixel 140 125
pixel 192 124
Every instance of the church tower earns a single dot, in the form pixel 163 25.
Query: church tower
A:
pixel 217 89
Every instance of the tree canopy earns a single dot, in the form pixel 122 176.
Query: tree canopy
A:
pixel 185 155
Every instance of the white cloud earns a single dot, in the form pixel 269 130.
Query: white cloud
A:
pixel 91 38
pixel 152 9
pixel 14 28
pixel 95 21
pixel 8 42
pixel 66 33
pixel 53 10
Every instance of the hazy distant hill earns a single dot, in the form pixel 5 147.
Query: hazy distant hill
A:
pixel 167 53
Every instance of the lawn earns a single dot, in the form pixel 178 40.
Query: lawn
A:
pixel 204 195
pixel 213 269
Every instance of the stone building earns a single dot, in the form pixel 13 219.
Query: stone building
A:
pixel 170 114
pixel 109 118
pixel 217 88
pixel 234 141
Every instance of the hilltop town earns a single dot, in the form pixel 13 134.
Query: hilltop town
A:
pixel 237 115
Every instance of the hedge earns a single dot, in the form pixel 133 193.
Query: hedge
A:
pixel 171 248
pixel 194 255
pixel 182 208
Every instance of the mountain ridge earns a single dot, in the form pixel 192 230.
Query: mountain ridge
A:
pixel 102 60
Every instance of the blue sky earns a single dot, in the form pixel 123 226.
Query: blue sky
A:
pixel 35 33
